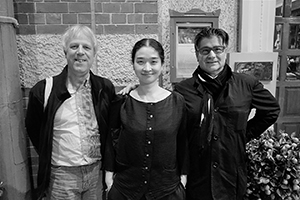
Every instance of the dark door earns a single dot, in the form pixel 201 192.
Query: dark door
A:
pixel 287 44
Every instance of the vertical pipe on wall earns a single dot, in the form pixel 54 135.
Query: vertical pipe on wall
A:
pixel 13 149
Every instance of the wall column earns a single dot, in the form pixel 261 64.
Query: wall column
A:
pixel 13 149
pixel 256 25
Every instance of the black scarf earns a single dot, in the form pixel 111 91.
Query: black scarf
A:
pixel 212 90
pixel 214 86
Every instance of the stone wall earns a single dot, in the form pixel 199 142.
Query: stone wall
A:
pixel 118 24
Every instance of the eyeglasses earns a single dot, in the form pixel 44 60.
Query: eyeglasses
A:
pixel 216 49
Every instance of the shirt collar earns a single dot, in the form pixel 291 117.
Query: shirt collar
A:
pixel 85 84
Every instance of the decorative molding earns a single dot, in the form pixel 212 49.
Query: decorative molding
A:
pixel 194 12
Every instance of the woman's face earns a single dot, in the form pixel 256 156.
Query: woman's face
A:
pixel 147 65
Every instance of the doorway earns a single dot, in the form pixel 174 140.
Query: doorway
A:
pixel 287 44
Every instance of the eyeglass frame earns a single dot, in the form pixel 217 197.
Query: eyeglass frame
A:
pixel 211 49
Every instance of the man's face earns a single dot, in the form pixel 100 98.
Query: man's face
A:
pixel 80 55
pixel 211 55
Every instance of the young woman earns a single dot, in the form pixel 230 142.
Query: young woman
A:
pixel 147 157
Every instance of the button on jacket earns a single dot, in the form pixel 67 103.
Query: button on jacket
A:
pixel 218 170
pixel 39 125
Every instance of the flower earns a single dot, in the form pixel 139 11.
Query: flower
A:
pixel 273 167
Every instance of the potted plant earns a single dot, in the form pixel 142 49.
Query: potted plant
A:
pixel 273 167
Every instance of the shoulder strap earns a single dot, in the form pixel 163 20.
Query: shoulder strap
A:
pixel 48 88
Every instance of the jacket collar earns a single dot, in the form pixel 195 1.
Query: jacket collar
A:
pixel 60 88
pixel 197 84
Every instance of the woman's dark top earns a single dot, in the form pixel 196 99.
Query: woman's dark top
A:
pixel 151 152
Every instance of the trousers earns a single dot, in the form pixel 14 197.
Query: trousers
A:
pixel 74 183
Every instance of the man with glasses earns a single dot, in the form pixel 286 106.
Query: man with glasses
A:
pixel 218 104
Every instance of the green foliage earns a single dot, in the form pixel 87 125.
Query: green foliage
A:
pixel 273 167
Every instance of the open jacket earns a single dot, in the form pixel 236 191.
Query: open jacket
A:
pixel 218 170
pixel 39 123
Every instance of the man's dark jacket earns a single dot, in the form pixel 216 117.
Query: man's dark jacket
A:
pixel 218 170
pixel 39 123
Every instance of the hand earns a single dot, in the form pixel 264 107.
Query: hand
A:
pixel 183 180
pixel 127 89
pixel 109 180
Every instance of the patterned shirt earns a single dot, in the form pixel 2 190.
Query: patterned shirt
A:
pixel 76 138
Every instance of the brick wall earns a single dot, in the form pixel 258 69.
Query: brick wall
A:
pixel 109 16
